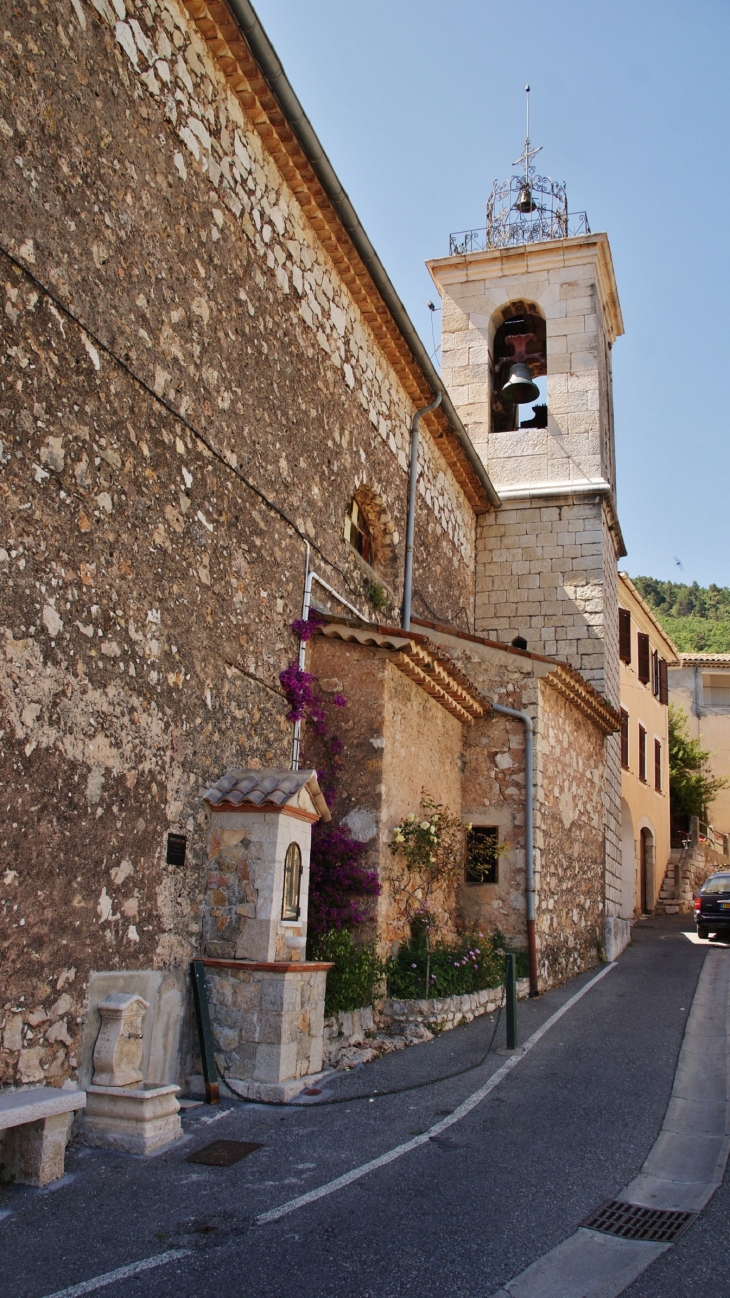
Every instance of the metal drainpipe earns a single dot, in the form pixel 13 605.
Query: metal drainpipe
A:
pixel 310 576
pixel 529 841
pixel 411 520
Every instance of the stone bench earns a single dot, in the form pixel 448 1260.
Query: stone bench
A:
pixel 33 1131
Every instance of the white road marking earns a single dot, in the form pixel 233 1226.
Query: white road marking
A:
pixel 590 1264
pixel 121 1273
pixel 357 1172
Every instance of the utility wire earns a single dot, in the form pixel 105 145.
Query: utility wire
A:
pixel 176 414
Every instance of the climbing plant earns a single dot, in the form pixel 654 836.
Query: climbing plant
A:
pixel 340 883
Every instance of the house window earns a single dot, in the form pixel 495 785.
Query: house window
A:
pixel 482 854
pixel 357 532
pixel 624 635
pixel 292 882
pixel 624 739
pixel 716 691
pixel 642 754
pixel 642 642
pixel 657 766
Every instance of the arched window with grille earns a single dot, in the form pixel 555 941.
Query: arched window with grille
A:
pixel 357 531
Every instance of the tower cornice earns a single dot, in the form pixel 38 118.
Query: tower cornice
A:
pixel 539 258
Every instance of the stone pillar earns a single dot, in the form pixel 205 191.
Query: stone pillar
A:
pixel 121 1112
pixel 266 1000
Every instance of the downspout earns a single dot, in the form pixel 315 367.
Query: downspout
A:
pixel 526 720
pixel 411 520
pixel 310 576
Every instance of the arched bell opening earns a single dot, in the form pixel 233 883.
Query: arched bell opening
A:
pixel 518 360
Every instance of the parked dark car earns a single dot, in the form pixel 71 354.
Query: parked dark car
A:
pixel 712 906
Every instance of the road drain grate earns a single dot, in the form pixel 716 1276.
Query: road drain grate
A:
pixel 631 1221
pixel 223 1153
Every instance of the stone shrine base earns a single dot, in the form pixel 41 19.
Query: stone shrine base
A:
pixel 138 1120
pixel 267 1021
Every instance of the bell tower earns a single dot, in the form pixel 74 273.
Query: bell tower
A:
pixel 530 313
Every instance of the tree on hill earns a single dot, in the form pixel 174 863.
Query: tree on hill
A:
pixel 696 618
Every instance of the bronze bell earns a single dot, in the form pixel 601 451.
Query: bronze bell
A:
pixel 525 201
pixel 519 388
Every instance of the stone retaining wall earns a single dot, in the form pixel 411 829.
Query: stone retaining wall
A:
pixel 358 1036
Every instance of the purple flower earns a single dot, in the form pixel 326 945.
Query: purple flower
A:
pixel 306 629
pixel 414 966
pixel 340 701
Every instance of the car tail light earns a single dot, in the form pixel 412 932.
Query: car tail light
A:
pixel 698 903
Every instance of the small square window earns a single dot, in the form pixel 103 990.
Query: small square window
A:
pixel 482 854
pixel 176 848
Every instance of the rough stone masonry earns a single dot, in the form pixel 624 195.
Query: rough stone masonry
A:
pixel 189 395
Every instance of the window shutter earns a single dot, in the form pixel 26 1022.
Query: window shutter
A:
pixel 643 656
pixel 642 754
pixel 624 739
pixel 663 682
pixel 657 766
pixel 624 635
pixel 655 683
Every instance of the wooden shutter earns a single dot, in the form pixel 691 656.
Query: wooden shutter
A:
pixel 643 656
pixel 624 635
pixel 624 739
pixel 642 754
pixel 663 682
pixel 655 673
pixel 657 766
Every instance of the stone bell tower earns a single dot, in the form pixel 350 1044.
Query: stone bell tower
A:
pixel 533 296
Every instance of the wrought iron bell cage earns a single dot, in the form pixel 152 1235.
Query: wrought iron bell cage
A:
pixel 527 208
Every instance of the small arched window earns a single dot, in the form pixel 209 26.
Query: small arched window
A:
pixel 292 882
pixel 357 531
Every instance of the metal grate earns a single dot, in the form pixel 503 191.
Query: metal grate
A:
pixel 223 1153
pixel 631 1221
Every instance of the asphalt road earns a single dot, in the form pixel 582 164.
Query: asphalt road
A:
pixel 459 1215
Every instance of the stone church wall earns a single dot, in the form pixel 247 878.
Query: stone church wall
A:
pixel 188 397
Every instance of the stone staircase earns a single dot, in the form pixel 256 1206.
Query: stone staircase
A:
pixel 667 903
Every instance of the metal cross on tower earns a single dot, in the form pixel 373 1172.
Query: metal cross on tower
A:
pixel 527 153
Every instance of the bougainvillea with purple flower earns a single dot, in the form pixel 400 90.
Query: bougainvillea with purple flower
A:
pixel 338 880
pixel 339 883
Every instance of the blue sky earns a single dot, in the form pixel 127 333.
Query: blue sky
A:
pixel 420 106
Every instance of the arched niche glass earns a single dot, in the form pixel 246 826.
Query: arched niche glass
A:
pixel 292 882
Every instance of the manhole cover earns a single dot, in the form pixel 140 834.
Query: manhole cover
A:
pixel 312 1090
pixel 631 1221
pixel 223 1153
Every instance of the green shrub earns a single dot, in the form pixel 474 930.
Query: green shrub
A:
pixel 353 981
pixel 472 963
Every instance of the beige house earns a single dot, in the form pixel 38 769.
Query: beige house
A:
pixel 700 684
pixel 646 654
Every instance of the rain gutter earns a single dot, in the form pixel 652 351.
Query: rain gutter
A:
pixel 267 60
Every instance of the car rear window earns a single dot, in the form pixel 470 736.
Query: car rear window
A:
pixel 721 883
